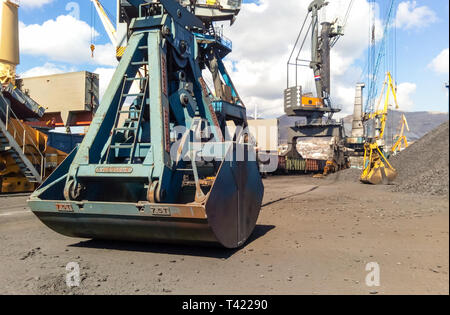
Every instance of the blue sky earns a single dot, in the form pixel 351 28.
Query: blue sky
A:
pixel 416 49
pixel 417 46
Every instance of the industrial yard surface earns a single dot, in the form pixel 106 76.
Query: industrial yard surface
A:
pixel 315 236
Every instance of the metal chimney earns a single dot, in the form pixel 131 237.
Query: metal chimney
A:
pixel 357 126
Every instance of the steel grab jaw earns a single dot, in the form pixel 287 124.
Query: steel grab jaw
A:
pixel 226 217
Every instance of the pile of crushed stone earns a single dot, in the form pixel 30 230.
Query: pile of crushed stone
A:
pixel 423 167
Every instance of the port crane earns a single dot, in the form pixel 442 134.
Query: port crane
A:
pixel 377 169
pixel 400 140
pixel 378 54
pixel 164 169
pixel 318 109
pixel 107 24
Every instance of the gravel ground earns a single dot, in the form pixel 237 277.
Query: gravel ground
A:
pixel 348 175
pixel 314 236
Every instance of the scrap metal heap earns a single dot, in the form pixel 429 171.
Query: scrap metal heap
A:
pixel 156 164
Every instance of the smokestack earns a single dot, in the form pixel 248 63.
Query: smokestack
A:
pixel 9 43
pixel 357 127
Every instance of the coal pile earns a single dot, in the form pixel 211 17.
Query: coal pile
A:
pixel 423 167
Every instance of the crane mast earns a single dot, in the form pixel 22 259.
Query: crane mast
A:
pixel 323 37
pixel 320 51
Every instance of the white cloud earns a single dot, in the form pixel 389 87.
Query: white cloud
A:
pixel 105 75
pixel 64 39
pixel 263 37
pixel 440 63
pixel 409 15
pixel 34 3
pixel 47 69
pixel 405 93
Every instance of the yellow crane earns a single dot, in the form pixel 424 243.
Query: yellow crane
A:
pixel 401 138
pixel 109 28
pixel 377 169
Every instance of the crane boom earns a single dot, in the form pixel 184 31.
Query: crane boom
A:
pixel 401 138
pixel 107 24
pixel 381 115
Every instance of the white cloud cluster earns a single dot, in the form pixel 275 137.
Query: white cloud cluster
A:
pixel 263 37
pixel 47 69
pixel 409 15
pixel 34 3
pixel 105 76
pixel 64 39
pixel 405 92
pixel 440 63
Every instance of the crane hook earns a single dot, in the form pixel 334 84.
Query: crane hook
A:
pixel 92 50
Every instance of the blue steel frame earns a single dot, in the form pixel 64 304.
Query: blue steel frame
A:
pixel 151 39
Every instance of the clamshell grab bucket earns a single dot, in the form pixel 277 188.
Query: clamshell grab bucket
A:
pixel 226 217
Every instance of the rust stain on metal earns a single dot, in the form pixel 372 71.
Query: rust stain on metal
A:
pixel 211 109
pixel 203 85
pixel 164 73
pixel 166 129
pixel 64 207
